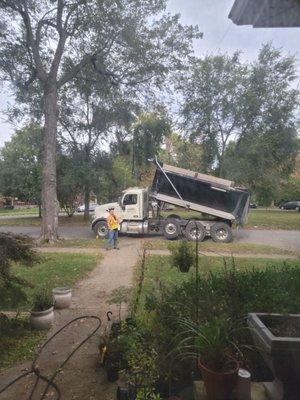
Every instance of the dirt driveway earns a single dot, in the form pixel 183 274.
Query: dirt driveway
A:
pixel 82 378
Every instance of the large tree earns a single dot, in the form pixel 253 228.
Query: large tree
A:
pixel 251 105
pixel 212 104
pixel 45 45
pixel 90 117
pixel 267 144
pixel 148 134
pixel 260 161
pixel 182 152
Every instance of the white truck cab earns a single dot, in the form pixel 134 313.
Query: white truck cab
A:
pixel 131 208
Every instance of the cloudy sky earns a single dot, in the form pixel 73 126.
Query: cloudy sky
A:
pixel 220 35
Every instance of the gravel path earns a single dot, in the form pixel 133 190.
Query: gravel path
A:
pixel 82 378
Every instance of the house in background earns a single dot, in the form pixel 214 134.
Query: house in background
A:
pixel 266 13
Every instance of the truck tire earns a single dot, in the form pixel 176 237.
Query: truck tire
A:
pixel 191 231
pixel 100 229
pixel 171 229
pixel 221 232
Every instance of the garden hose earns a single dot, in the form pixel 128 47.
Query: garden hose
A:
pixel 50 381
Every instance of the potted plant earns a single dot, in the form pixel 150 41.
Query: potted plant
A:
pixel 118 296
pixel 42 315
pixel 182 255
pixel 62 297
pixel 212 345
pixel 277 336
pixel 113 360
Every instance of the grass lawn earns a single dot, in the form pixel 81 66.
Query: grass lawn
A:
pixel 63 269
pixel 274 219
pixel 159 272
pixel 18 341
pixel 82 243
pixel 231 248
pixel 77 219
pixel 19 211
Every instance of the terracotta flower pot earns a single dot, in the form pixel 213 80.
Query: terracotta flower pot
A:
pixel 219 385
pixel 62 297
pixel 42 319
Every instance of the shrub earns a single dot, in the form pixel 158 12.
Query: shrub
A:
pixel 182 255
pixel 14 248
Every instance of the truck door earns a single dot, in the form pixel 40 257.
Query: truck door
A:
pixel 131 204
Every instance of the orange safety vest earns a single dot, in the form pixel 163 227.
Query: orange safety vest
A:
pixel 112 222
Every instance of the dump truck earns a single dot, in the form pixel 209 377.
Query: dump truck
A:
pixel 221 205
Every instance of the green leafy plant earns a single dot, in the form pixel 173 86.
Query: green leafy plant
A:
pixel 14 248
pixel 182 255
pixel 211 342
pixel 119 296
pixel 42 300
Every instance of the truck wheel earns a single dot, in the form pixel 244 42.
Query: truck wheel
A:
pixel 192 231
pixel 100 229
pixel 171 229
pixel 221 233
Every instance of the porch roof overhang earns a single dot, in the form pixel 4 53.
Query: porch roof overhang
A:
pixel 266 13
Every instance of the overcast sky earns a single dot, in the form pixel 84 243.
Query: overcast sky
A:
pixel 220 36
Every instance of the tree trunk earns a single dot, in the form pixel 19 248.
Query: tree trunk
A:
pixel 86 203
pixel 40 210
pixel 49 197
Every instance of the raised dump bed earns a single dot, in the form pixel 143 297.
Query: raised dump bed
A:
pixel 199 192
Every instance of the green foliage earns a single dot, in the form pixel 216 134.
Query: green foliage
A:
pixel 182 255
pixel 118 296
pixel 220 301
pixel 14 248
pixel 114 175
pixel 68 184
pixel 183 152
pixel 261 160
pixel 289 190
pixel 42 299
pixel 141 359
pixel 212 106
pixel 212 341
pixel 236 292
pixel 20 164
pixel 149 132
pixel 244 117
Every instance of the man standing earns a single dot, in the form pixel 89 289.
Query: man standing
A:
pixel 113 228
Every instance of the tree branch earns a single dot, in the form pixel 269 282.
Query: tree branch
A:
pixel 41 73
